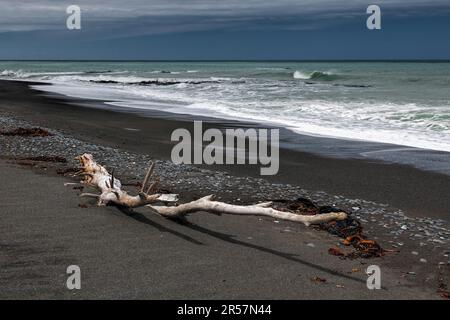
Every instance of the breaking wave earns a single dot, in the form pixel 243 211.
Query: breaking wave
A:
pixel 20 74
pixel 156 82
pixel 316 75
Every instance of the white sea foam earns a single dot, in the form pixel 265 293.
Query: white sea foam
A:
pixel 322 109
pixel 301 75
pixel 20 74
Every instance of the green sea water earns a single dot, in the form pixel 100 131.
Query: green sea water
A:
pixel 405 103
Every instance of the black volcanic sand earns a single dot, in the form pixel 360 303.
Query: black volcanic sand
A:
pixel 144 256
pixel 43 228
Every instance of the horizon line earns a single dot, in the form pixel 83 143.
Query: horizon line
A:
pixel 226 60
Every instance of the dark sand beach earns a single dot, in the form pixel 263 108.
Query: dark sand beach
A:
pixel 43 228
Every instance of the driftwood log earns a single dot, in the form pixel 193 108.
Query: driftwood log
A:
pixel 111 193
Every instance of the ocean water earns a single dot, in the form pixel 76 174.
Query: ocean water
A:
pixel 404 103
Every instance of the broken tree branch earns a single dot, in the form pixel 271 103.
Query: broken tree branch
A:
pixel 110 188
pixel 112 194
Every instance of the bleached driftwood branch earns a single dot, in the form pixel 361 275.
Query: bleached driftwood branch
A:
pixel 261 209
pixel 111 188
pixel 111 193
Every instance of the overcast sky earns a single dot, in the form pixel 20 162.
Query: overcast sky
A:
pixel 228 29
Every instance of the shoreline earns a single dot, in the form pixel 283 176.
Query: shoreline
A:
pixel 433 160
pixel 401 186
pixel 285 247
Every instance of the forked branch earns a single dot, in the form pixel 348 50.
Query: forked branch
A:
pixel 110 187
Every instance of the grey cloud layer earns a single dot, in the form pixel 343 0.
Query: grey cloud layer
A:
pixel 192 14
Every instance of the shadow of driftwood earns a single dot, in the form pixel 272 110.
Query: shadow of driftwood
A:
pixel 230 239
pixel 143 219
pixel 292 257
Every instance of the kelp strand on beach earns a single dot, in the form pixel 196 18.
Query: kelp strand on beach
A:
pixel 349 229
pixel 26 132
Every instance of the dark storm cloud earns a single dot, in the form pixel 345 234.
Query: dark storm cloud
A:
pixel 159 16
pixel 227 29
